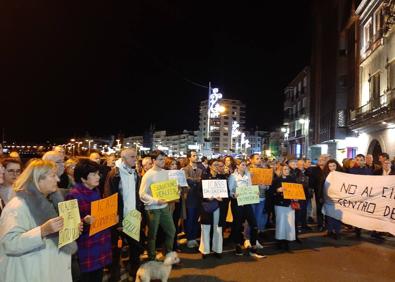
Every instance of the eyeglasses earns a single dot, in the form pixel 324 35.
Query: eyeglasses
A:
pixel 14 171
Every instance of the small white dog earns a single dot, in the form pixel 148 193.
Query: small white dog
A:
pixel 157 270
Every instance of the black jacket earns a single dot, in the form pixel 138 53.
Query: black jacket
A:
pixel 278 197
pixel 112 186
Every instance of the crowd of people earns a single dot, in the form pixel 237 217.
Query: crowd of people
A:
pixel 30 221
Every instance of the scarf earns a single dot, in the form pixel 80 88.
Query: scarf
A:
pixel 128 184
pixel 43 209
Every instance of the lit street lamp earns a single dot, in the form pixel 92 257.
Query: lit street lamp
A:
pixel 89 145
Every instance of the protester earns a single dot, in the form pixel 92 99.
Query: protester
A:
pixel 193 200
pixel 13 168
pixel 124 180
pixel 212 216
pixel 2 202
pixel 334 225
pixel 242 178
pixel 158 212
pixel 285 213
pixel 94 252
pixel 29 229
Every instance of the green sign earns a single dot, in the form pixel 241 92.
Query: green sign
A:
pixel 247 195
pixel 131 224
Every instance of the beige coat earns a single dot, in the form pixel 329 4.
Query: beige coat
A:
pixel 24 255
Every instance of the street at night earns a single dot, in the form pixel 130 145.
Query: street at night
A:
pixel 318 258
pixel 233 141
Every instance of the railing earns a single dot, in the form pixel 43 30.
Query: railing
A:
pixel 384 101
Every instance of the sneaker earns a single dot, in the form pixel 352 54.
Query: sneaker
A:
pixel 239 252
pixel 258 245
pixel 192 244
pixel 247 244
pixel 253 253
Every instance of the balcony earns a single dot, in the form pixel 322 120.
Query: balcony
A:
pixel 378 109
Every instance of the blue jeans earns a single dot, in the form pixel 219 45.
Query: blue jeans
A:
pixel 260 214
pixel 191 223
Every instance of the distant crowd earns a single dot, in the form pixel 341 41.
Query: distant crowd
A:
pixel 30 221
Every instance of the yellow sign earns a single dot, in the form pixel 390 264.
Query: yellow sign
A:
pixel 71 222
pixel 105 212
pixel 165 190
pixel 293 191
pixel 261 176
pixel 131 224
pixel 247 195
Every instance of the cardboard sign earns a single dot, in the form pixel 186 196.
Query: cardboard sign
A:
pixel 214 188
pixel 293 191
pixel 261 176
pixel 131 224
pixel 166 190
pixel 179 175
pixel 105 212
pixel 71 222
pixel 247 195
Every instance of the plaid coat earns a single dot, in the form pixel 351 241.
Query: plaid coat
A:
pixel 94 252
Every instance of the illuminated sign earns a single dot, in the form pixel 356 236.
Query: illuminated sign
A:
pixel 214 108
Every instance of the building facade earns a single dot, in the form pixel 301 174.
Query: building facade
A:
pixel 218 130
pixel 334 81
pixel 372 118
pixel 297 114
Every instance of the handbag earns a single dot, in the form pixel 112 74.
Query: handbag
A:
pixel 210 206
pixel 295 205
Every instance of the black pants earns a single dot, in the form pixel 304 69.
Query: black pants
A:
pixel 301 215
pixel 93 276
pixel 135 249
pixel 320 216
pixel 240 214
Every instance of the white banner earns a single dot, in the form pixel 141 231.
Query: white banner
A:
pixel 179 175
pixel 363 201
pixel 215 188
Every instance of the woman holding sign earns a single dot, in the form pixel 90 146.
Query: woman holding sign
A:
pixel 30 225
pixel 212 215
pixel 94 252
pixel 242 178
pixel 285 214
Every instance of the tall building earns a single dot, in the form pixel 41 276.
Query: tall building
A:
pixel 297 114
pixel 218 130
pixel 373 116
pixel 334 80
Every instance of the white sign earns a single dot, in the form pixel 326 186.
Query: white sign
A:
pixel 215 188
pixel 179 175
pixel 363 201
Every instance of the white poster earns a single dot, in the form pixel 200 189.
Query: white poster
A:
pixel 363 201
pixel 215 188
pixel 179 175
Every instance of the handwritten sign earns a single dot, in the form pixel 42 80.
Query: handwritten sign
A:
pixel 131 224
pixel 261 176
pixel 364 201
pixel 179 175
pixel 71 222
pixel 247 195
pixel 166 190
pixel 215 188
pixel 293 191
pixel 105 212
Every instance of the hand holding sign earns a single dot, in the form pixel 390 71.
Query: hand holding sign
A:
pixel 165 191
pixel 261 176
pixel 71 229
pixel 104 213
pixel 293 191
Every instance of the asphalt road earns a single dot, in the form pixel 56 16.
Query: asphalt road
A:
pixel 318 258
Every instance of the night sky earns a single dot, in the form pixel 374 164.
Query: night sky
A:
pixel 68 69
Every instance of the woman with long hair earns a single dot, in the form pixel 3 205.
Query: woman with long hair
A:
pixel 334 225
pixel 29 229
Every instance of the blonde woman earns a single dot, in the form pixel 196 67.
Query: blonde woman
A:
pixel 29 229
